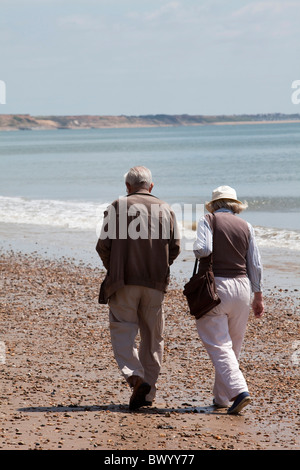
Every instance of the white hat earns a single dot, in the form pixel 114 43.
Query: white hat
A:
pixel 222 192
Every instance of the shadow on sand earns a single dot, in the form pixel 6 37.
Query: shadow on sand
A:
pixel 120 408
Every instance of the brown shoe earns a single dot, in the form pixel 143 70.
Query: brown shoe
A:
pixel 140 390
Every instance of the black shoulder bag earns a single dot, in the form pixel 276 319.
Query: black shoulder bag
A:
pixel 200 291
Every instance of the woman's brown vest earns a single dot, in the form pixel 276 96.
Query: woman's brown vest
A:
pixel 230 244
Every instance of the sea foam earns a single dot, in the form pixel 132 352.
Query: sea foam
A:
pixel 88 216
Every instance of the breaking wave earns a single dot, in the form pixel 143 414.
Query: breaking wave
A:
pixel 88 216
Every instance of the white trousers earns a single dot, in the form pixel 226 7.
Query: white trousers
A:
pixel 222 332
pixel 136 309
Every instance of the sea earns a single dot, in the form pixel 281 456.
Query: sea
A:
pixel 56 184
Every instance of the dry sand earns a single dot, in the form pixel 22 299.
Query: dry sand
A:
pixel 61 388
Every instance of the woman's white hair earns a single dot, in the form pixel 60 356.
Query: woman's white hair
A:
pixel 235 207
pixel 138 177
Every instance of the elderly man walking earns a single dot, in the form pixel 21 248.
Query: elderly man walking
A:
pixel 137 245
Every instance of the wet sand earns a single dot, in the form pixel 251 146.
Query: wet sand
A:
pixel 61 388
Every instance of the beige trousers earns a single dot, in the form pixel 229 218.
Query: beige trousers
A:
pixel 136 309
pixel 222 332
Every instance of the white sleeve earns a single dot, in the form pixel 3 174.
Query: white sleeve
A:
pixel 204 242
pixel 254 265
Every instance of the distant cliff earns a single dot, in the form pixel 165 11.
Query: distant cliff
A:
pixel 28 122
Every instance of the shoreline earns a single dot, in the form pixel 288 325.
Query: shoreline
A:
pixel 148 126
pixel 23 122
pixel 281 267
pixel 61 388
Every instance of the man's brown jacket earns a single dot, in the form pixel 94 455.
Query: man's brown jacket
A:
pixel 138 242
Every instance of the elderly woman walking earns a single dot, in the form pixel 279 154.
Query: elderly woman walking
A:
pixel 238 271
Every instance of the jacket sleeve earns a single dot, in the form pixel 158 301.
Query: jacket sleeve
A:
pixel 174 245
pixel 103 246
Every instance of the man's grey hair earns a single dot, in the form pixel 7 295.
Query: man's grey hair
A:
pixel 139 177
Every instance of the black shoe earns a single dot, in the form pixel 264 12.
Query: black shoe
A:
pixel 138 397
pixel 147 403
pixel 243 399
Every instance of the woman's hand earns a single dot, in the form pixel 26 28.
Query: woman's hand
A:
pixel 258 304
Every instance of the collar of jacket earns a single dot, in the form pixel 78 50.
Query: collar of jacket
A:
pixel 140 191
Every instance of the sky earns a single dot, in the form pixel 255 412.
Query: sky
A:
pixel 139 57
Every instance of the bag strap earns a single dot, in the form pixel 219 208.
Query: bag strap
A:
pixel 213 231
pixel 195 266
